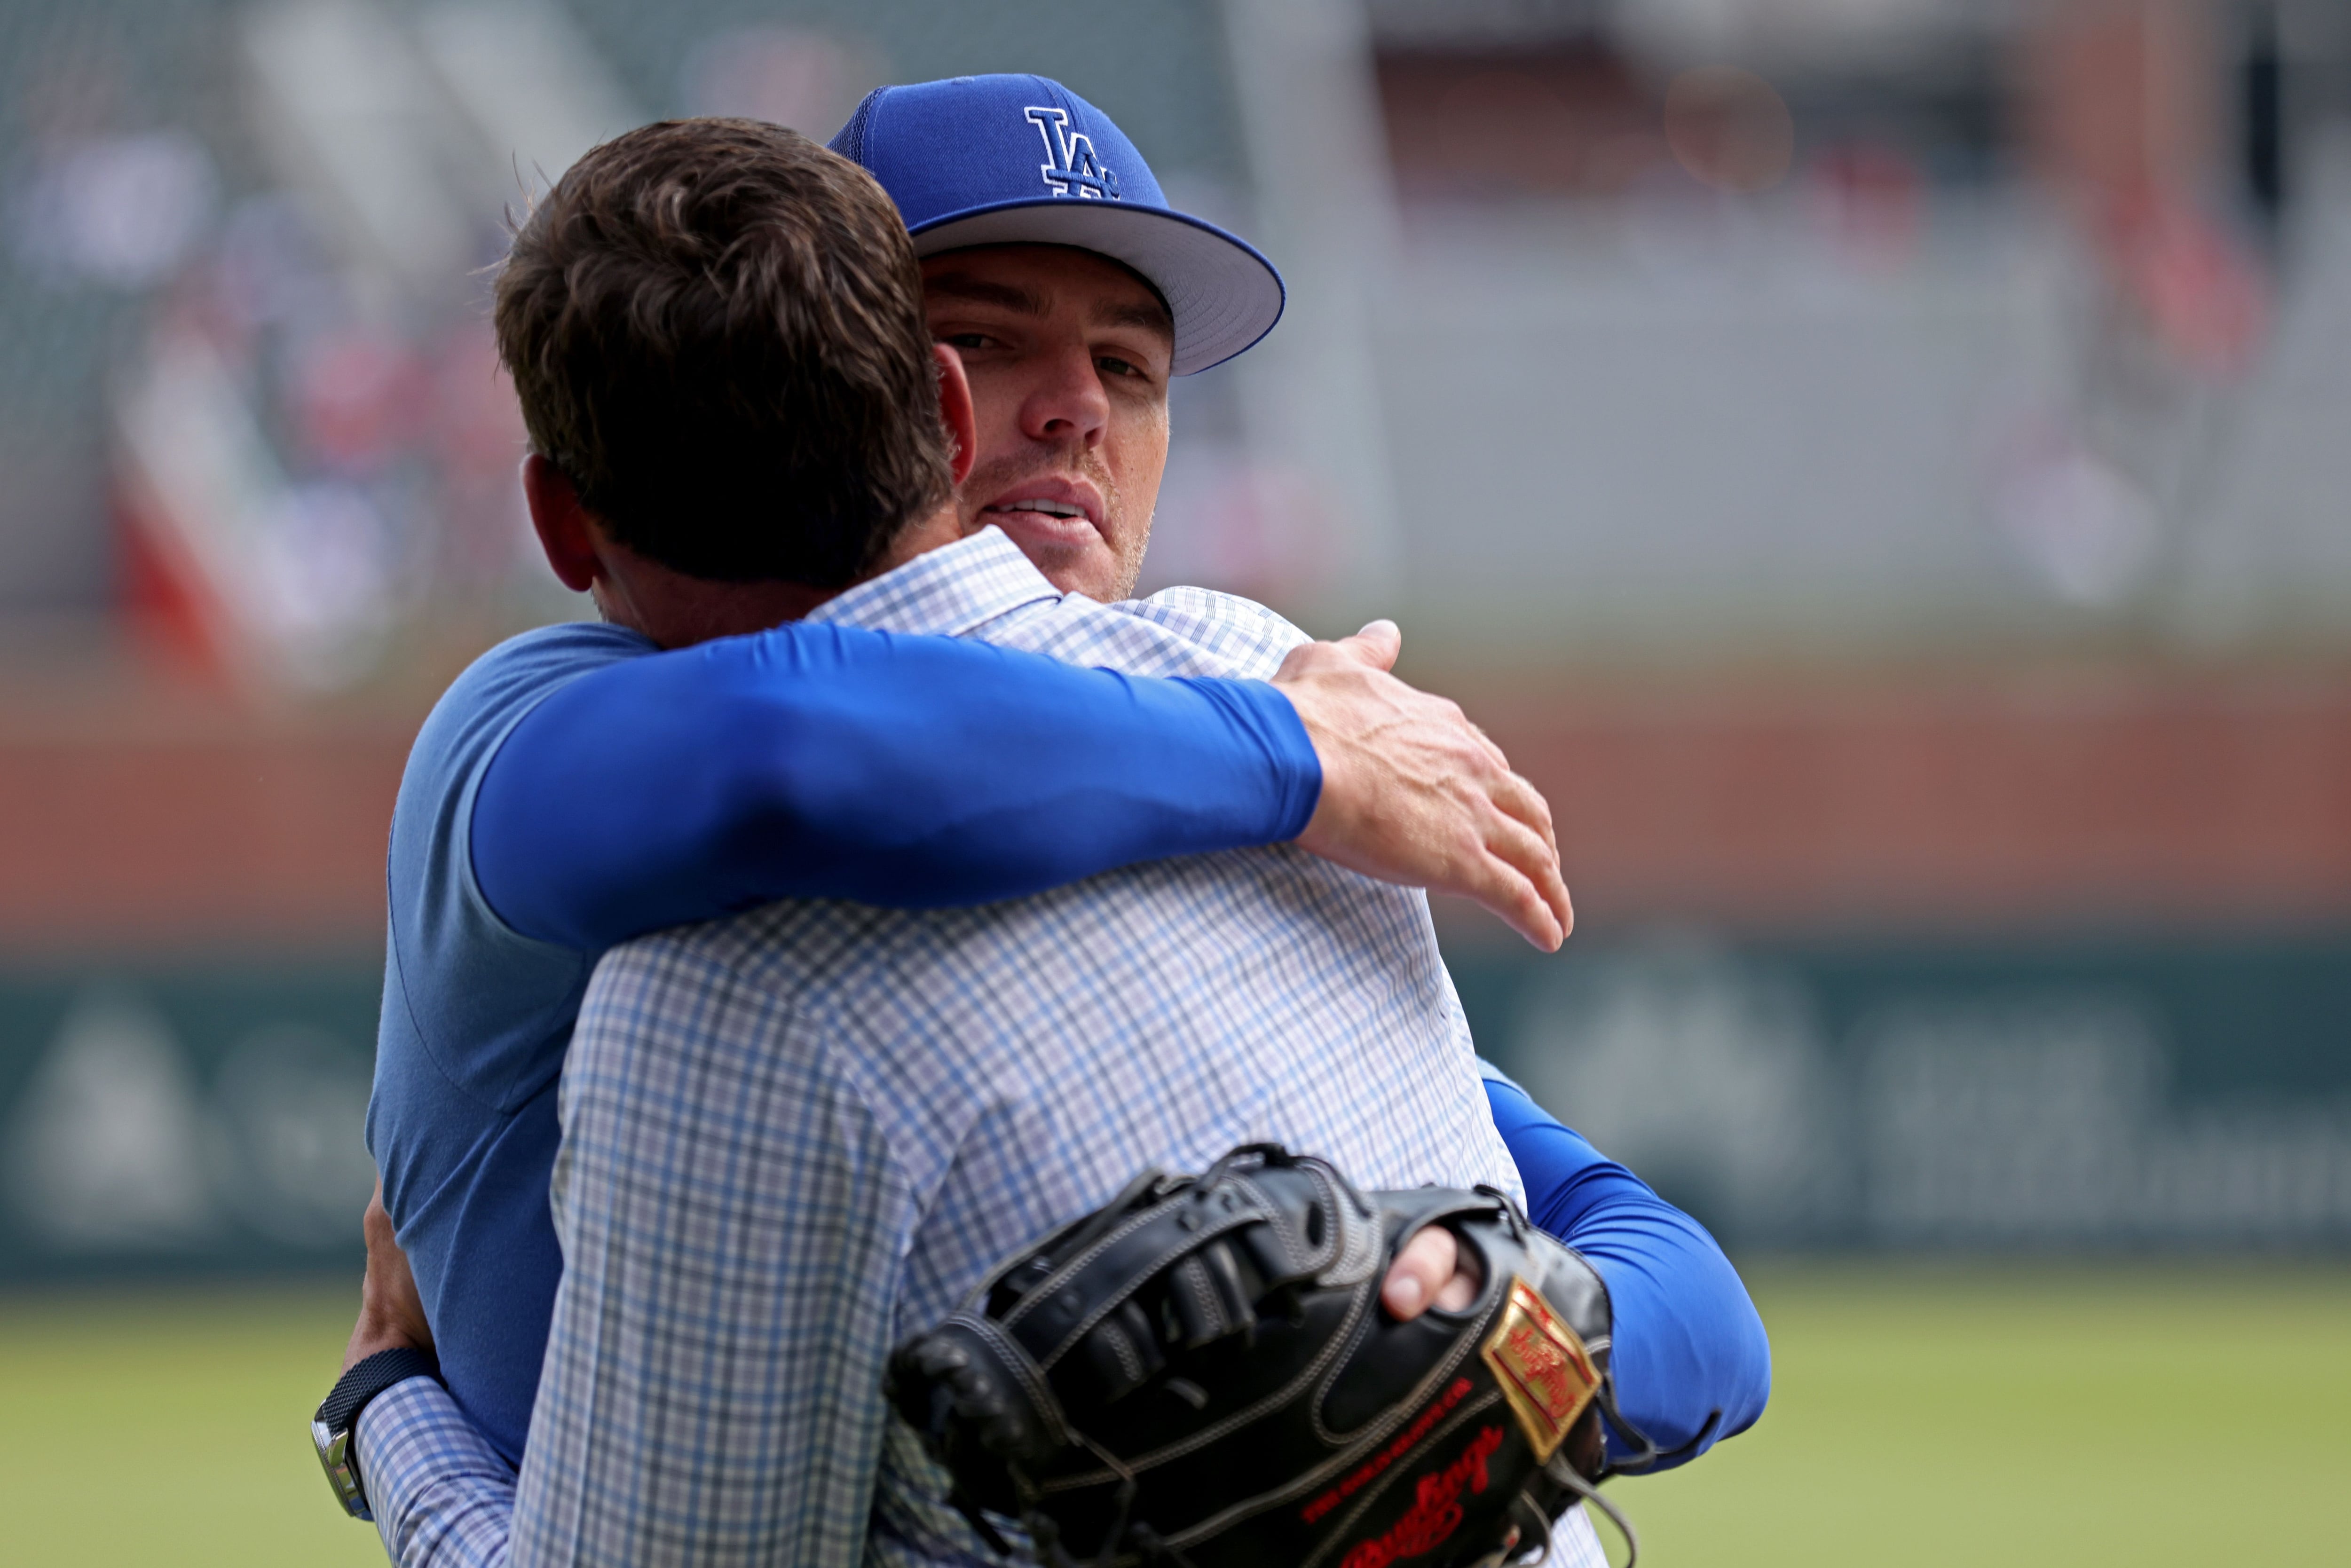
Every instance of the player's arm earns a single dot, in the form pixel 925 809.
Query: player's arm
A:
pixel 825 761
pixel 1693 1364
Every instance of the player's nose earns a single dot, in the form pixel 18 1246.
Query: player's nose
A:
pixel 1065 401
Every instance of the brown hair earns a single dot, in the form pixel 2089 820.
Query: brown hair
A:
pixel 716 328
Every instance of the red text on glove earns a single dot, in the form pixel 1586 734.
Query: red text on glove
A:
pixel 1377 1466
pixel 1436 1512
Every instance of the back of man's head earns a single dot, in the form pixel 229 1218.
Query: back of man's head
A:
pixel 716 329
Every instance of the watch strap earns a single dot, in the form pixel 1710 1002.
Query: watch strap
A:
pixel 368 1378
pixel 333 1427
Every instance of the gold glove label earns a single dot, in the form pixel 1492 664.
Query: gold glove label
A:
pixel 1541 1365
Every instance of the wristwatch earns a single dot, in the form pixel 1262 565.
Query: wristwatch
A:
pixel 333 1427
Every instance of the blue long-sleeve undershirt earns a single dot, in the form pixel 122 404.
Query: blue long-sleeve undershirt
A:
pixel 834 762
pixel 1690 1358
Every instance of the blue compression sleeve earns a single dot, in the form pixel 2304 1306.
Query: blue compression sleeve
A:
pixel 828 761
pixel 1688 1347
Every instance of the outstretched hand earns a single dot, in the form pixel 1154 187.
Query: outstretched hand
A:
pixel 1415 793
pixel 392 1313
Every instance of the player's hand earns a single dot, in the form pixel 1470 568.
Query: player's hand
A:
pixel 1415 793
pixel 1431 1267
pixel 392 1313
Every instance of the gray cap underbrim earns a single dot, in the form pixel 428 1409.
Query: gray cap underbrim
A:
pixel 1223 294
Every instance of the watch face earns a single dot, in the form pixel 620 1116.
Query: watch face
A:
pixel 335 1456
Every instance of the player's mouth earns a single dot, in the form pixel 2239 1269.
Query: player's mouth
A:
pixel 1054 510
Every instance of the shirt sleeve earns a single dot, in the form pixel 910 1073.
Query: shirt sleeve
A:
pixel 1690 1358
pixel 827 761
pixel 441 1495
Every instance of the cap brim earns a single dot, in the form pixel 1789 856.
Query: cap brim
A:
pixel 1224 294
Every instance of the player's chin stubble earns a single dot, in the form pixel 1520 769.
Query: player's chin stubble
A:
pixel 1121 540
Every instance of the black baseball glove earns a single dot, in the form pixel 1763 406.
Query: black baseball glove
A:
pixel 1201 1374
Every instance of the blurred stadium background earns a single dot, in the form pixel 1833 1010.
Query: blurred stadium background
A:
pixel 1880 465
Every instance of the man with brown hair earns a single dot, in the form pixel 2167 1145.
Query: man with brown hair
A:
pixel 776 431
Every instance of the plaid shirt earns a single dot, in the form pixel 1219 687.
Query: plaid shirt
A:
pixel 793 1136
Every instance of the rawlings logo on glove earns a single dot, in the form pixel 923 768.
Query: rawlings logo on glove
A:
pixel 1436 1512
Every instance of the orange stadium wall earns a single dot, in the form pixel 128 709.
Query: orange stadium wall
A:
pixel 1938 808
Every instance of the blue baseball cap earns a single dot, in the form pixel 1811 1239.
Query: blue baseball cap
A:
pixel 1021 160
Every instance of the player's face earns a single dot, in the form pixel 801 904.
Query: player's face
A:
pixel 1068 357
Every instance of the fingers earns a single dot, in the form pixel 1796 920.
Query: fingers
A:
pixel 1460 1290
pixel 1560 903
pixel 375 1224
pixel 1412 793
pixel 1535 859
pixel 1420 1274
pixel 1522 801
pixel 1377 644
pixel 1513 870
pixel 1525 840
pixel 392 1311
pixel 1514 897
pixel 1510 790
pixel 1432 1269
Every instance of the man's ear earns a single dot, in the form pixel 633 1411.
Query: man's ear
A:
pixel 956 410
pixel 564 530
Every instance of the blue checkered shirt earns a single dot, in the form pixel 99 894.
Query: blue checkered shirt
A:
pixel 793 1136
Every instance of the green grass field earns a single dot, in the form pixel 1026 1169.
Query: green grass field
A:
pixel 1922 1416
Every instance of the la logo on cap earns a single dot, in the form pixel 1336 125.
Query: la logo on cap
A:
pixel 1070 168
pixel 955 157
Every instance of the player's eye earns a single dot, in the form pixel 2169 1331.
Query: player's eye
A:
pixel 966 340
pixel 1112 365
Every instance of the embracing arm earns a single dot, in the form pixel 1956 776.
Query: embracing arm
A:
pixel 826 761
pixel 1691 1359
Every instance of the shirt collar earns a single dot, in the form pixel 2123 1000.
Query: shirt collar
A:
pixel 948 592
